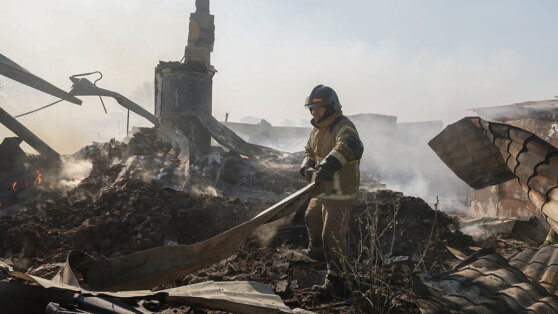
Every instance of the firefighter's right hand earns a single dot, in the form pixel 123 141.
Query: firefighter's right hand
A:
pixel 307 168
pixel 309 173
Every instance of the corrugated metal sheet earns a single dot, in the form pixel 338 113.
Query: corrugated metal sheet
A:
pixel 470 154
pixel 484 283
pixel 539 265
pixel 472 145
pixel 235 296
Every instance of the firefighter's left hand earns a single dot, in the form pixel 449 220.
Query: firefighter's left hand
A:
pixel 324 174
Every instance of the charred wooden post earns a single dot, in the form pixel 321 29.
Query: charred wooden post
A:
pixel 24 133
pixel 182 87
pixel 10 153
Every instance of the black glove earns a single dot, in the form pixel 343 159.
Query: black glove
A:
pixel 307 168
pixel 309 173
pixel 327 168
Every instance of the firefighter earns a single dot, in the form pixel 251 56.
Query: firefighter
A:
pixel 331 158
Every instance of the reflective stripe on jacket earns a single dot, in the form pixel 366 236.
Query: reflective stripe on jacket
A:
pixel 326 138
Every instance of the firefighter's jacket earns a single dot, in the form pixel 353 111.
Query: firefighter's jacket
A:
pixel 331 136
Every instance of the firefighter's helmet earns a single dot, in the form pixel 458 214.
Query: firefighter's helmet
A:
pixel 322 96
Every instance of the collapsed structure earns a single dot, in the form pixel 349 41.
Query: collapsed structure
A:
pixel 138 226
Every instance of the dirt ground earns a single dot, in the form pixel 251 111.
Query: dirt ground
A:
pixel 140 195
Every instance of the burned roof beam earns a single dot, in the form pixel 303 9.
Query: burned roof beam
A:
pixel 16 72
pixel 24 133
pixel 84 87
pixel 223 135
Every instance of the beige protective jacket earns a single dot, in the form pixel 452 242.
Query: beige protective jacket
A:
pixel 327 138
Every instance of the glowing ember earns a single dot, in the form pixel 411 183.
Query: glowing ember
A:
pixel 14 186
pixel 38 179
pixel 245 157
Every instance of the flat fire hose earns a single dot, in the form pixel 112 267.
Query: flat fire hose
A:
pixel 153 267
pixel 122 277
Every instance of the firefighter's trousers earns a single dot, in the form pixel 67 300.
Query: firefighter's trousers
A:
pixel 327 222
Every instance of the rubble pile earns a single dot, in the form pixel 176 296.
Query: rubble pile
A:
pixel 383 278
pixel 406 228
pixel 133 199
pixel 121 220
pixel 140 195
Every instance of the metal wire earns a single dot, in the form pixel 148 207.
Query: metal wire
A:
pixel 43 107
pixel 54 103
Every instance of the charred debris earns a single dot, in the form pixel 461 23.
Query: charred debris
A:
pixel 166 222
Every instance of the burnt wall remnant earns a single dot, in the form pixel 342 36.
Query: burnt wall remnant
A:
pixel 183 87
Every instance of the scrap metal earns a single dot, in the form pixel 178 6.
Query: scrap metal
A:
pixel 233 296
pixel 485 283
pixel 539 265
pixel 471 155
pixel 121 277
pixel 16 72
pixel 484 153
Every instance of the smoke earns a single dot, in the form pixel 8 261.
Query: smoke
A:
pixel 257 66
pixel 267 232
pixel 399 156
pixel 477 232
pixel 486 227
pixel 269 70
pixel 67 127
pixel 396 154
pixel 379 74
pixel 73 171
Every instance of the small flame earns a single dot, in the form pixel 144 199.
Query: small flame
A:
pixel 0 204
pixel 38 179
pixel 245 157
pixel 14 186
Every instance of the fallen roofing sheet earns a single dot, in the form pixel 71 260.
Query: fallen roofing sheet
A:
pixel 484 283
pixel 16 72
pixel 483 227
pixel 159 265
pixel 150 268
pixel 539 265
pixel 484 153
pixel 470 154
pixel 234 296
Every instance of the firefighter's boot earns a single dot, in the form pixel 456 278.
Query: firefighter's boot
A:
pixel 333 286
pixel 316 254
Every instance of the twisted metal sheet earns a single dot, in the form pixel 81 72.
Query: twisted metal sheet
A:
pixel 484 153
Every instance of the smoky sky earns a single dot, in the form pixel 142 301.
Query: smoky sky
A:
pixel 418 60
